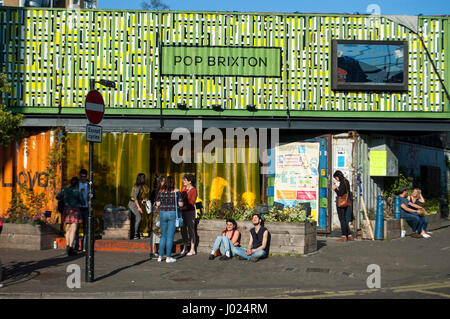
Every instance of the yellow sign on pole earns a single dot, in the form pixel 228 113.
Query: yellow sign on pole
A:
pixel 378 163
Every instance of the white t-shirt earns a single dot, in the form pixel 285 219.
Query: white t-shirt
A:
pixel 84 186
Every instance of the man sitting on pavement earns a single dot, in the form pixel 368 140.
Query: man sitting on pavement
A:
pixel 412 215
pixel 258 246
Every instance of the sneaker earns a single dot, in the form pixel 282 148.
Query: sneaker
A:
pixel 136 237
pixel 170 260
pixel 224 257
pixel 159 259
pixel 426 235
pixel 211 257
pixel 254 259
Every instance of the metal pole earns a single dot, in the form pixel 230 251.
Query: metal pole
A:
pixel 89 277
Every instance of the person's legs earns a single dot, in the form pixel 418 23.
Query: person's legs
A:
pixel 163 218
pixel 258 254
pixel 343 221
pixel 170 232
pixel 239 251
pixel 413 221
pixel 137 217
pixel 84 218
pixel 190 226
pixel 423 224
pixel 217 244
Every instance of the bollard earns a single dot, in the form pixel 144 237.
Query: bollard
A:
pixel 379 219
pixel 397 207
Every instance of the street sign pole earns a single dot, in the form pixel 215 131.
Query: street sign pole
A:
pixel 89 276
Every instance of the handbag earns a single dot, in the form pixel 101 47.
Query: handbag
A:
pixel 343 201
pixel 179 219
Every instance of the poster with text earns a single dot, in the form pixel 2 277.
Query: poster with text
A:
pixel 297 175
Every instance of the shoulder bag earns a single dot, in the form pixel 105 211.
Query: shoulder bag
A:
pixel 343 201
pixel 179 219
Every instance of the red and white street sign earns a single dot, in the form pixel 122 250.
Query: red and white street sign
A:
pixel 94 107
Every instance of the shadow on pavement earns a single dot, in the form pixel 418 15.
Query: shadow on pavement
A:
pixel 115 272
pixel 19 272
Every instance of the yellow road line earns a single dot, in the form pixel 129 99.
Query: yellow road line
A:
pixel 434 293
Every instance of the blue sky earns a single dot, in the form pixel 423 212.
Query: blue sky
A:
pixel 410 7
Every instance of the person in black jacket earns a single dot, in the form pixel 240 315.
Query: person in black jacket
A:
pixel 344 213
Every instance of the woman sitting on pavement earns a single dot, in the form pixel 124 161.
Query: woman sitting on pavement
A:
pixel 416 196
pixel 226 242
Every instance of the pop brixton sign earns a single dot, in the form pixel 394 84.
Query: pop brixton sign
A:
pixel 221 61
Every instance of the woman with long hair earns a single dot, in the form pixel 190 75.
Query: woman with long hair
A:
pixel 155 230
pixel 344 213
pixel 138 196
pixel 167 200
pixel 413 200
pixel 189 193
pixel 226 242
pixel 73 200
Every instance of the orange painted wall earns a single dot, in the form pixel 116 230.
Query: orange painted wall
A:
pixel 26 163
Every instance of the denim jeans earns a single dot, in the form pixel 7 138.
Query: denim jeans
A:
pixel 416 221
pixel 239 251
pixel 167 224
pixel 224 244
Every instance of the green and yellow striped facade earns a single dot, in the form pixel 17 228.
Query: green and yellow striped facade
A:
pixel 50 55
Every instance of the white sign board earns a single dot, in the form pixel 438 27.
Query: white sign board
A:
pixel 93 133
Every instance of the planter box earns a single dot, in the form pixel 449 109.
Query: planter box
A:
pixel 116 224
pixel 435 221
pixel 392 229
pixel 26 236
pixel 292 238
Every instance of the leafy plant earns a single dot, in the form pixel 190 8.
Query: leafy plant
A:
pixel 27 205
pixel 10 129
pixel 392 187
pixel 244 213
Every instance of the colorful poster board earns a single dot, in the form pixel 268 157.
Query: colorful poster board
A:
pixel 297 174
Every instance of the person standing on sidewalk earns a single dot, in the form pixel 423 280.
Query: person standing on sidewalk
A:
pixel 73 200
pixel 258 246
pixel 138 195
pixel 155 230
pixel 167 200
pixel 84 209
pixel 344 213
pixel 189 194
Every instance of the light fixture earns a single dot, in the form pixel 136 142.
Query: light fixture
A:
pixel 217 107
pixel 182 106
pixel 251 108
pixel 108 84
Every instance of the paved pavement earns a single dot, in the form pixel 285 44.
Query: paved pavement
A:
pixel 409 268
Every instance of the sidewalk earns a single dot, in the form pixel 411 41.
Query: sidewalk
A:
pixel 335 266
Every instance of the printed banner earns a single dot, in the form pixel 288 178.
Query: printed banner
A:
pixel 297 175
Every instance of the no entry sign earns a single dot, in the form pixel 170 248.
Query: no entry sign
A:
pixel 94 107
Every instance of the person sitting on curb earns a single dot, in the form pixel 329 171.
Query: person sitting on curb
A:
pixel 258 246
pixel 226 242
pixel 411 215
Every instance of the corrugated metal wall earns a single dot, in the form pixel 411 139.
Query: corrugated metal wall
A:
pixel 50 55
pixel 26 163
